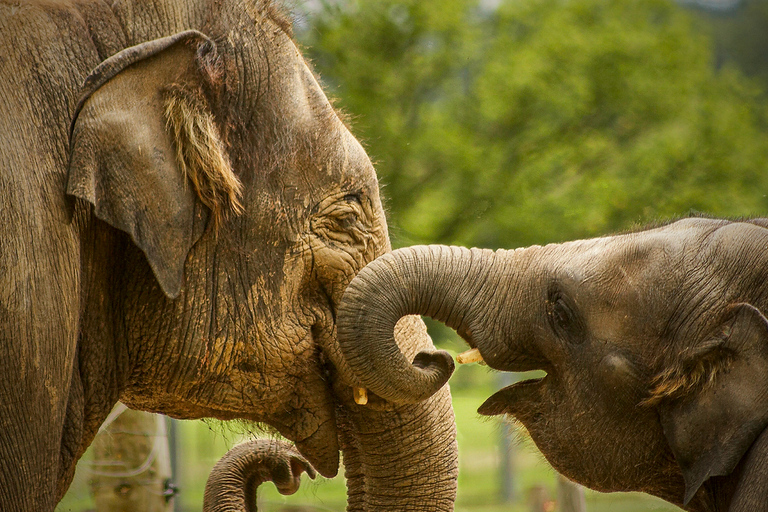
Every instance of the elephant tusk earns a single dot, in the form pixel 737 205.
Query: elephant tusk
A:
pixel 361 395
pixel 470 356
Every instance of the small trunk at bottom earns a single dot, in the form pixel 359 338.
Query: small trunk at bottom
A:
pixel 232 484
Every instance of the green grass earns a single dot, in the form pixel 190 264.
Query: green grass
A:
pixel 479 459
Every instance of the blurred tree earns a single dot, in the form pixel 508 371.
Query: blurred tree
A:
pixel 741 36
pixel 130 467
pixel 506 123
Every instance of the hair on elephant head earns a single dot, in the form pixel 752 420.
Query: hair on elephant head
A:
pixel 653 347
pixel 185 209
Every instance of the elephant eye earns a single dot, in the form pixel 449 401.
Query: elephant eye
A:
pixel 563 319
pixel 341 219
pixel 561 314
pixel 353 198
pixel 348 220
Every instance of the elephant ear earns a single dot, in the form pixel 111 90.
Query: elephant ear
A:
pixel 142 133
pixel 714 403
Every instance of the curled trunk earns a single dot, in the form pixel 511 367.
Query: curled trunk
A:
pixel 399 457
pixel 232 484
pixel 442 282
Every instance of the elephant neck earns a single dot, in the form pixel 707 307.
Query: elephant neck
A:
pixel 100 358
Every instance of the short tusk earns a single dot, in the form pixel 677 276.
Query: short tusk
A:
pixel 361 395
pixel 470 356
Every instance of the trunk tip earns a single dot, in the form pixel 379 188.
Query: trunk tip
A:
pixel 438 365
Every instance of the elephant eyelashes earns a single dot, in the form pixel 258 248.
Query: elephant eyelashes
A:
pixel 561 314
pixel 353 198
pixel 563 319
pixel 350 213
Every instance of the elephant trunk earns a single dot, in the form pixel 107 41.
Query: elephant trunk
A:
pixel 404 459
pixel 445 283
pixel 396 460
pixel 233 481
pixel 353 464
pixel 400 457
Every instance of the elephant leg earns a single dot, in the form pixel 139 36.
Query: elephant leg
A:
pixel 38 335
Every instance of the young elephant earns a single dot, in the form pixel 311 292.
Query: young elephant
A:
pixel 654 344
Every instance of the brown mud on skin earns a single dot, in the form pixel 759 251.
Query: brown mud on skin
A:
pixel 184 211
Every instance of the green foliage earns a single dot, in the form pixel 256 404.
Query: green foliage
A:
pixel 542 120
pixel 741 36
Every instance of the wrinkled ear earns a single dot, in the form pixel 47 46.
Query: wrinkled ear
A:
pixel 716 401
pixel 145 150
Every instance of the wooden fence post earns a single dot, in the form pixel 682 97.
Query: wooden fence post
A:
pixel 131 463
pixel 570 496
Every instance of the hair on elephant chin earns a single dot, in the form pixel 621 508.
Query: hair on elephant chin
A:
pixel 200 152
pixel 234 429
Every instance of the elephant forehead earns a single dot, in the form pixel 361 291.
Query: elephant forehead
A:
pixel 617 282
pixel 298 92
pixel 291 93
pixel 342 156
pixel 631 257
pixel 298 133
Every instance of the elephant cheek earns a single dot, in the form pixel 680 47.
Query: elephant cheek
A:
pixel 530 404
pixel 309 420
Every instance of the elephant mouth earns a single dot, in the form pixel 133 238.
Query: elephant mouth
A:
pixel 524 359
pixel 511 399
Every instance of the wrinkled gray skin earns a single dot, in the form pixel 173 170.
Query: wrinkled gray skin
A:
pixel 232 484
pixel 117 283
pixel 654 344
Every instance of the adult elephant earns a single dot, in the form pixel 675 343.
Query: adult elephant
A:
pixel 182 209
pixel 654 344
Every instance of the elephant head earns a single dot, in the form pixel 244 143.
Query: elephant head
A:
pixel 223 206
pixel 653 344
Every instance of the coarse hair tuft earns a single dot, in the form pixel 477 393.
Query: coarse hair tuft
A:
pixel 690 374
pixel 200 152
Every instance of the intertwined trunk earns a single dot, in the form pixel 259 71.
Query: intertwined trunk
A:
pixel 449 284
pixel 403 459
pixel 397 457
